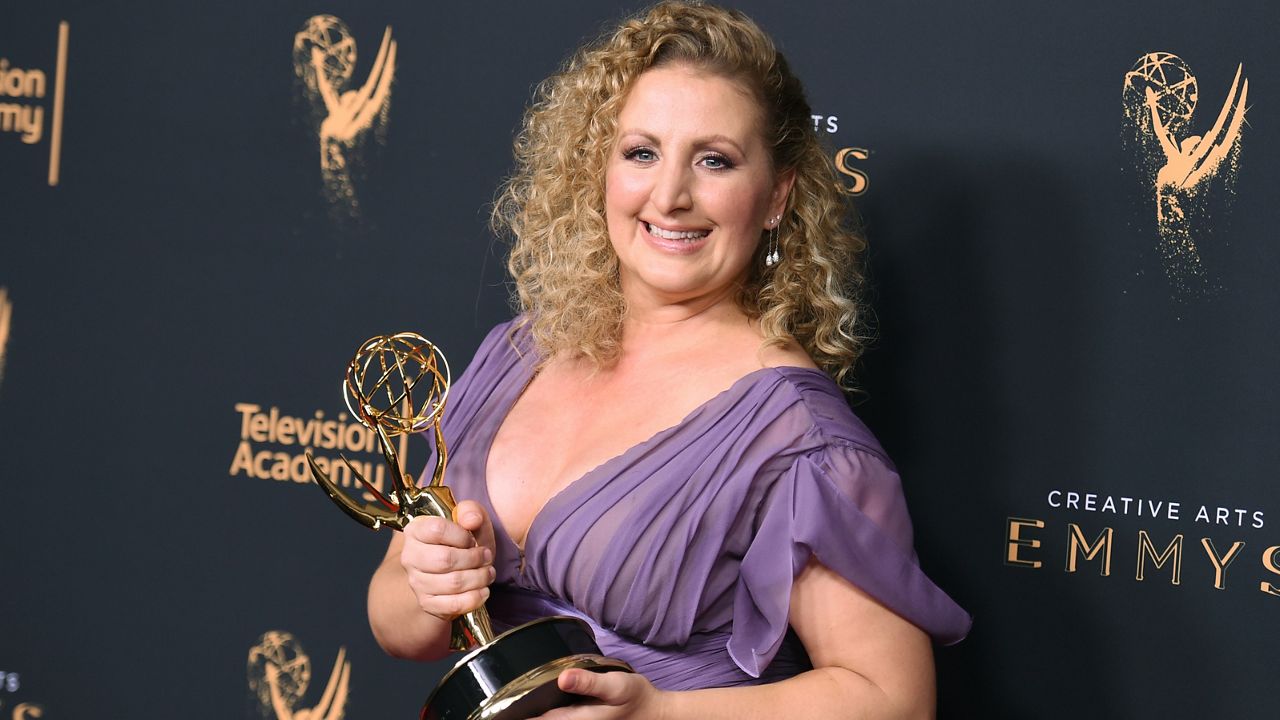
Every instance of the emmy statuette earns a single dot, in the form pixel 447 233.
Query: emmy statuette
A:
pixel 398 384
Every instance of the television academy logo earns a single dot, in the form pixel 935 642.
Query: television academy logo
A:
pixel 23 92
pixel 274 445
pixel 279 673
pixel 1184 169
pixel 324 61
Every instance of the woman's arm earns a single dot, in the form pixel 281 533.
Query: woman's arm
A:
pixel 868 663
pixel 433 572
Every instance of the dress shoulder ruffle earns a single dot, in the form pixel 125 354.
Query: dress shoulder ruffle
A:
pixel 842 503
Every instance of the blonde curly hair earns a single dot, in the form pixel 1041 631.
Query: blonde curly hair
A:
pixel 564 268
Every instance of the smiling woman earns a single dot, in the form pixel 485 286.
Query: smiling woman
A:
pixel 562 262
pixel 658 443
pixel 688 187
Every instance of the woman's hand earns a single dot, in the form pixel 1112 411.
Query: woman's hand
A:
pixel 610 696
pixel 449 565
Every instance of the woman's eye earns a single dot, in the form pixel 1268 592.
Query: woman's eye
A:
pixel 716 162
pixel 641 154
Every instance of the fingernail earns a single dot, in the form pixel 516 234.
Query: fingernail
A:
pixel 488 556
pixel 473 517
pixel 493 573
pixel 484 593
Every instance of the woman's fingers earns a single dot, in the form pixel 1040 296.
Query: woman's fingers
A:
pixel 611 688
pixel 452 583
pixel 438 531
pixel 447 570
pixel 607 696
pixel 443 558
pixel 448 607
pixel 472 516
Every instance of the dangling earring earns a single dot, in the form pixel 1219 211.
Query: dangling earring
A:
pixel 771 258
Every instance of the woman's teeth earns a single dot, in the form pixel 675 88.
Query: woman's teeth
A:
pixel 675 235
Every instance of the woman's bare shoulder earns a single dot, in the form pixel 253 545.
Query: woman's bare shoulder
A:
pixel 788 355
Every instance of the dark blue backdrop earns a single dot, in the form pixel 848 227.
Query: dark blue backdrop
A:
pixel 1031 340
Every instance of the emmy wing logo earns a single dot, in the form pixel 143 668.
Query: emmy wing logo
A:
pixel 6 312
pixel 1184 167
pixel 324 61
pixel 279 673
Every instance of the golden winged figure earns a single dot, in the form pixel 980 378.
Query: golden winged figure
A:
pixel 353 111
pixel 324 58
pixel 279 673
pixel 332 703
pixel 1197 157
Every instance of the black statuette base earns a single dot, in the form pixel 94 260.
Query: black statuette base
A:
pixel 514 677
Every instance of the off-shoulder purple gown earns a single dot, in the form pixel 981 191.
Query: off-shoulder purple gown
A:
pixel 681 551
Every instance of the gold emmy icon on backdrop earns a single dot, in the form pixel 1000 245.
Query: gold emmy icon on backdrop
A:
pixel 1185 167
pixel 324 60
pixel 398 384
pixel 279 673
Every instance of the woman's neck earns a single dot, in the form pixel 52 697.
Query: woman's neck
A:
pixel 652 311
pixel 655 330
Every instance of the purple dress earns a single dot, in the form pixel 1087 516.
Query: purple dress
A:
pixel 681 551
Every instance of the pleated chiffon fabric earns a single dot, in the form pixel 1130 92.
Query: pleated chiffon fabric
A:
pixel 681 551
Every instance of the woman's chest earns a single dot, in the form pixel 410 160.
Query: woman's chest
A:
pixel 648 542
pixel 560 430
pixel 647 533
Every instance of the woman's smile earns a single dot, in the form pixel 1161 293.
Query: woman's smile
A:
pixel 676 241
pixel 689 186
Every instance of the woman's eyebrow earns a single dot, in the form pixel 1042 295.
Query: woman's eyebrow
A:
pixel 697 142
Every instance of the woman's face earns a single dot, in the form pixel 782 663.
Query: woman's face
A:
pixel 690 186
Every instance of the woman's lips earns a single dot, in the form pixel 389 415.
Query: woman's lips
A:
pixel 676 241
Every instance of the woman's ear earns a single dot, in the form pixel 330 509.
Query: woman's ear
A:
pixel 781 191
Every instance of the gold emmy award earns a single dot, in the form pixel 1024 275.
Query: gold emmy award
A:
pixel 398 384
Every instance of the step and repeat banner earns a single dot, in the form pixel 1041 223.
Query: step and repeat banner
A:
pixel 208 206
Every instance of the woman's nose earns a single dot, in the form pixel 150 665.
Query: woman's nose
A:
pixel 672 190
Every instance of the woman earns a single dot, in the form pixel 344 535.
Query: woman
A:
pixel 658 444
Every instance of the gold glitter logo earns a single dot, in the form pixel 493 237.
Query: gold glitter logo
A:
pixel 324 61
pixel 1184 168
pixel 6 312
pixel 279 673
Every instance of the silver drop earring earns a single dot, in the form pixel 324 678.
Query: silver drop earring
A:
pixel 772 257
